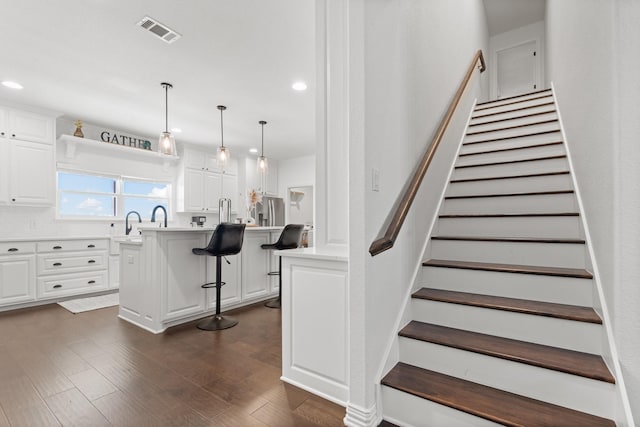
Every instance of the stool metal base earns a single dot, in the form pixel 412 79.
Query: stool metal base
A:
pixel 217 322
pixel 273 303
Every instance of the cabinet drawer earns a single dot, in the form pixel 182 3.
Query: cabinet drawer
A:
pixel 73 245
pixel 69 262
pixel 71 284
pixel 15 248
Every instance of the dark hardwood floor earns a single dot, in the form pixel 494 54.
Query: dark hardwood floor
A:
pixel 93 369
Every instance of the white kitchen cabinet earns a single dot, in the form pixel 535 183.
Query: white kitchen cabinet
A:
pixel 72 267
pixel 230 292
pixel 201 160
pixel 181 283
pixel 26 126
pixel 114 271
pixel 4 171
pixel 31 174
pixel 17 279
pixel 255 266
pixel 230 191
pixel 212 191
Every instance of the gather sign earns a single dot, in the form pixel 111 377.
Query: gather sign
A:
pixel 130 141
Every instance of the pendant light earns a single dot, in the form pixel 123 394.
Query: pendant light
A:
pixel 263 164
pixel 223 152
pixel 166 143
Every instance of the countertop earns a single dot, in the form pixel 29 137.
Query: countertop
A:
pixel 326 253
pixel 47 238
pixel 173 229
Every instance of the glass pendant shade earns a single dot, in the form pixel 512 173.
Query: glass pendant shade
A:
pixel 166 142
pixel 262 163
pixel 223 153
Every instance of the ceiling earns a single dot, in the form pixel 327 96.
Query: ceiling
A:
pixel 88 60
pixel 506 15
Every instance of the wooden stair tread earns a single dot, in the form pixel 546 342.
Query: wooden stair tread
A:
pixel 557 359
pixel 385 423
pixel 507 162
pixel 501 150
pixel 511 268
pixel 486 402
pixel 492 178
pixel 487 106
pixel 512 110
pixel 517 305
pixel 514 97
pixel 524 116
pixel 509 215
pixel 529 193
pixel 545 132
pixel 512 127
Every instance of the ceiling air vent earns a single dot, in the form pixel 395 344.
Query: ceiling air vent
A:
pixel 158 29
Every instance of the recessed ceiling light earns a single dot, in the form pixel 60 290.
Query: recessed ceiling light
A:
pixel 299 86
pixel 12 85
pixel 253 150
pixel 176 130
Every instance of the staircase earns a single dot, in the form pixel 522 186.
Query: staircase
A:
pixel 503 331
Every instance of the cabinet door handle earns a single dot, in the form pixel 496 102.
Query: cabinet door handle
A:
pixel 57 247
pixel 13 135
pixel 57 286
pixel 57 264
pixel 91 246
pixel 2 133
pixel 91 261
pixel 12 250
pixel 91 282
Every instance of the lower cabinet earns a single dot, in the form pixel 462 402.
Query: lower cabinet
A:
pixel 182 275
pixel 32 271
pixel 17 279
pixel 255 265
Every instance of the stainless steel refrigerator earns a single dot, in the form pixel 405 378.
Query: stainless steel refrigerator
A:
pixel 270 212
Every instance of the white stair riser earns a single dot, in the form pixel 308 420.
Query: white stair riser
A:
pixel 571 335
pixel 508 133
pixel 562 290
pixel 510 169
pixel 546 203
pixel 521 141
pixel 571 391
pixel 510 100
pixel 560 226
pixel 569 255
pixel 477 127
pixel 510 155
pixel 513 185
pixel 404 410
pixel 512 114
pixel 480 111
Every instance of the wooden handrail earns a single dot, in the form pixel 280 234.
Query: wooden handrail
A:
pixel 391 228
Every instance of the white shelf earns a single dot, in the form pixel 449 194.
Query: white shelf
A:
pixel 73 143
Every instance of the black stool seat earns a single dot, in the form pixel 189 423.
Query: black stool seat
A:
pixel 226 240
pixel 289 239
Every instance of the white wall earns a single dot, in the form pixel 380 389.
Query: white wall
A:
pixel 413 56
pixel 592 60
pixel 626 298
pixel 528 33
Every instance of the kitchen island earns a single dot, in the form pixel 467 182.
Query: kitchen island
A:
pixel 161 279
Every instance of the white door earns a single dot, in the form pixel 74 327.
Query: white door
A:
pixel 517 70
pixel 212 191
pixel 193 190
pixel 17 279
pixel 32 174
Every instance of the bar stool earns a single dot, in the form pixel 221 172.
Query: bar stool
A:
pixel 289 239
pixel 226 240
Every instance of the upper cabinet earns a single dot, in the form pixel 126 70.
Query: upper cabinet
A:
pixel 26 126
pixel 27 161
pixel 201 183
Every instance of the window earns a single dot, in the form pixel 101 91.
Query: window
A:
pixel 143 196
pixel 82 195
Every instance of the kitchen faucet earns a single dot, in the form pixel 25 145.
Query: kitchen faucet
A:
pixel 128 228
pixel 153 214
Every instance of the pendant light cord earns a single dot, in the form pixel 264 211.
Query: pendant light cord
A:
pixel 262 147
pixel 166 108
pixel 221 127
